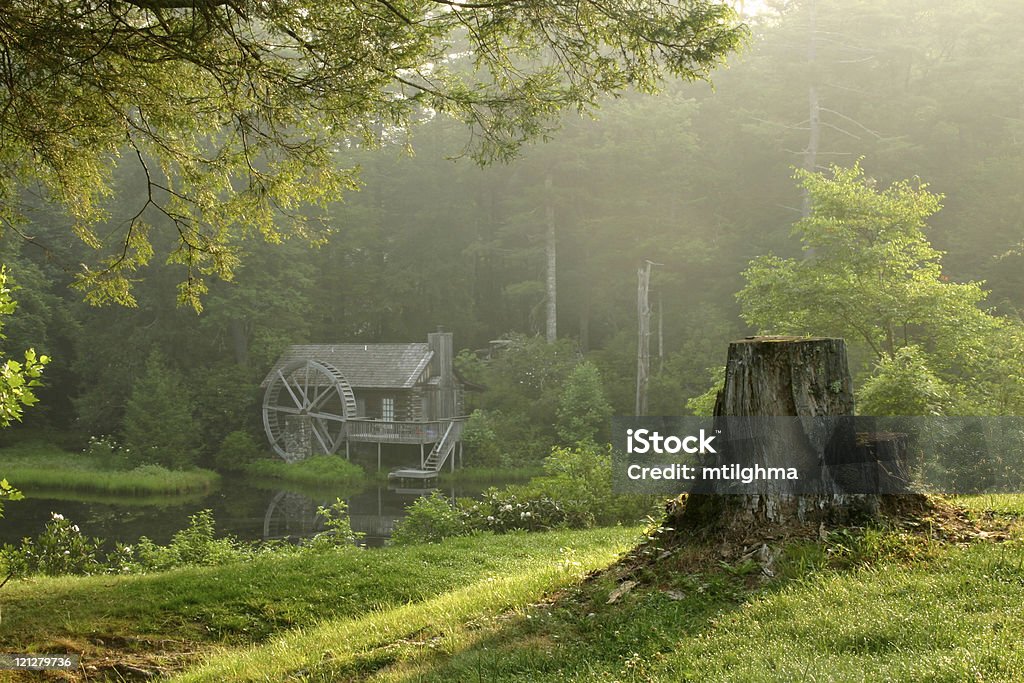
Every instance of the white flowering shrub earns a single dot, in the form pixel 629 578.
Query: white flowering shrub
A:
pixel 62 548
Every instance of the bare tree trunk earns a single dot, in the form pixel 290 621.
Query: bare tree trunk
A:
pixel 661 336
pixel 239 341
pixel 814 107
pixel 549 249
pixel 643 342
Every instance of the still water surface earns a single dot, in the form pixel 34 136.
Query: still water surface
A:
pixel 240 509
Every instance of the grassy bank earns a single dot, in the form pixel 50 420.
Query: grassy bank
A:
pixel 488 476
pixel 878 605
pixel 317 471
pixel 38 468
pixel 245 603
pixel 858 605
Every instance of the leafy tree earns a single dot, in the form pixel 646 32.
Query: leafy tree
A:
pixel 875 279
pixel 903 384
pixel 583 412
pixel 232 112
pixel 18 379
pixel 158 422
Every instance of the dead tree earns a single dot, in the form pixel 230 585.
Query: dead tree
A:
pixel 804 378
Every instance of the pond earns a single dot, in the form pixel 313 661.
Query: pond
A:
pixel 241 509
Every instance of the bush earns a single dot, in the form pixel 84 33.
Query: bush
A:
pixel 339 533
pixel 237 450
pixel 63 549
pixel 60 549
pixel 107 453
pixel 483 448
pixel 903 384
pixel 504 511
pixel 580 480
pixel 193 545
pixel 584 413
pixel 431 519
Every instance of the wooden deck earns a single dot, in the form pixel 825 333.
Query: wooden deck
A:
pixel 380 431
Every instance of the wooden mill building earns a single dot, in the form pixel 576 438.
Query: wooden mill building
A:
pixel 322 398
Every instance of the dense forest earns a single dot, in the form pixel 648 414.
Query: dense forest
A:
pixel 918 104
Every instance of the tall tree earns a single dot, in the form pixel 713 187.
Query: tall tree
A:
pixel 232 111
pixel 876 280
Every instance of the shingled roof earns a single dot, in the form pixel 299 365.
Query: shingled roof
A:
pixel 366 366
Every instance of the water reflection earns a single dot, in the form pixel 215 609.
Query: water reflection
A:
pixel 246 511
pixel 372 513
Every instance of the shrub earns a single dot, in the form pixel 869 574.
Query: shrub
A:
pixel 60 549
pixel 339 533
pixel 504 511
pixel 431 519
pixel 107 453
pixel 583 411
pixel 903 384
pixel 580 480
pixel 237 450
pixel 481 441
pixel 193 545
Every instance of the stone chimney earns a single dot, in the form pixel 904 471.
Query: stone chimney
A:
pixel 442 364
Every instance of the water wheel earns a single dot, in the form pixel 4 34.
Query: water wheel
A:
pixel 305 409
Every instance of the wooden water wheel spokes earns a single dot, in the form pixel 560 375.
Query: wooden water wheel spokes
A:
pixel 305 409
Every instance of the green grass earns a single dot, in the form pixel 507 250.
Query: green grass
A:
pixel 317 471
pixel 38 468
pixel 249 601
pixel 863 605
pixel 879 605
pixel 489 476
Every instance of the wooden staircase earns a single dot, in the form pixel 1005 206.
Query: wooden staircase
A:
pixel 437 458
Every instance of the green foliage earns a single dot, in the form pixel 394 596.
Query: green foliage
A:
pixel 158 423
pixel 17 378
pixel 224 399
pixel 579 479
pixel 339 533
pixel 105 467
pixel 873 277
pixel 60 549
pixel 107 454
pixel 237 450
pixel 483 448
pixel 193 545
pixel 8 492
pixel 704 404
pixel 903 384
pixel 524 381
pixel 583 412
pixel 434 518
pixel 318 470
pixel 574 492
pixel 430 519
pixel 232 117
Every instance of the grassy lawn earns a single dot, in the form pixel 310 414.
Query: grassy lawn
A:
pixel 36 468
pixel 879 606
pixel 317 471
pixel 858 606
pixel 248 602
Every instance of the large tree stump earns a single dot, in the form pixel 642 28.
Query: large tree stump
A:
pixel 788 376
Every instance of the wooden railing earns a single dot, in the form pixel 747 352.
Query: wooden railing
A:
pixel 398 432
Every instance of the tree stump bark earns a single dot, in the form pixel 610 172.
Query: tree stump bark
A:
pixel 788 376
